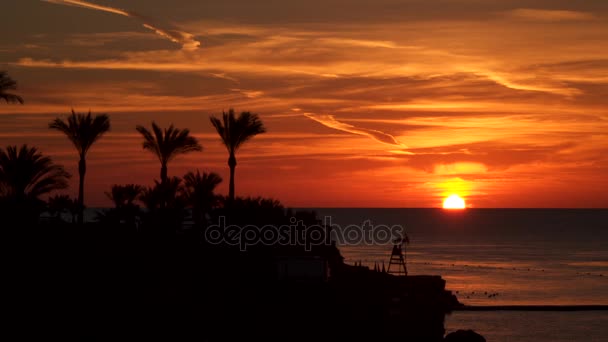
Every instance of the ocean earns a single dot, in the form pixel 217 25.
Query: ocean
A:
pixel 502 257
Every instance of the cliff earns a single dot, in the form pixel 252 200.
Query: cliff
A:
pixel 398 307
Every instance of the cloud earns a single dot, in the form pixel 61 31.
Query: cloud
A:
pixel 165 30
pixel 483 156
pixel 549 15
pixel 460 168
pixel 359 43
pixel 331 122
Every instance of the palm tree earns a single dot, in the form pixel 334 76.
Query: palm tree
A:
pixel 199 193
pixel 59 204
pixel 125 209
pixel 234 132
pixel 168 144
pixel 166 207
pixel 124 196
pixel 83 131
pixel 25 175
pixel 7 83
pixel 163 195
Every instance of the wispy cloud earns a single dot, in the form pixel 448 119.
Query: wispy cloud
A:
pixel 360 43
pixel 331 122
pixel 549 15
pixel 186 39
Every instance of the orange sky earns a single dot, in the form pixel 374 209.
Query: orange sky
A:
pixel 371 104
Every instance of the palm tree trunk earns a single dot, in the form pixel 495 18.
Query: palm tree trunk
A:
pixel 163 173
pixel 163 183
pixel 232 165
pixel 82 169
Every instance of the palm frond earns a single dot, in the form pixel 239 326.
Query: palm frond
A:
pixel 124 195
pixel 83 130
pixel 7 83
pixel 168 193
pixel 199 188
pixel 26 173
pixel 150 143
pixel 235 131
pixel 169 143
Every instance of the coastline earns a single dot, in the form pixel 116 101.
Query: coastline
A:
pixel 532 308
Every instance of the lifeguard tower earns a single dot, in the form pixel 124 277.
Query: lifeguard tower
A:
pixel 397 260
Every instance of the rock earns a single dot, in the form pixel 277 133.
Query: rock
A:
pixel 464 336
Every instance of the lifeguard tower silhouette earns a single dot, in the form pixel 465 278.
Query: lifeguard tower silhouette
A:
pixel 398 256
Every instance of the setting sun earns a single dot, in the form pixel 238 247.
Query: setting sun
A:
pixel 454 202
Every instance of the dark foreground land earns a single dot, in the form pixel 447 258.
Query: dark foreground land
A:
pixel 97 283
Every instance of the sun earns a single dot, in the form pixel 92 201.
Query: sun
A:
pixel 454 202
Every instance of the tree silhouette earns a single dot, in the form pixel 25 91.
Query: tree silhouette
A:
pixel 166 206
pixel 125 209
pixel 7 83
pixel 199 193
pixel 59 204
pixel 163 195
pixel 25 175
pixel 234 132
pixel 255 210
pixel 83 131
pixel 124 196
pixel 168 144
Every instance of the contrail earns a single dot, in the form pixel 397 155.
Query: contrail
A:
pixel 173 34
pixel 331 122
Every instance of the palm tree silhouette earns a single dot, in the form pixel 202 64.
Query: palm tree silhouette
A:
pixel 168 144
pixel 163 195
pixel 234 132
pixel 25 175
pixel 125 209
pixel 83 131
pixel 7 83
pixel 59 204
pixel 166 206
pixel 124 196
pixel 199 193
